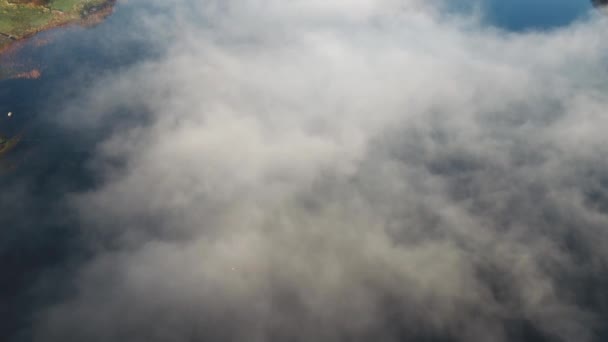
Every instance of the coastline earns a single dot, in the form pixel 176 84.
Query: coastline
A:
pixel 9 43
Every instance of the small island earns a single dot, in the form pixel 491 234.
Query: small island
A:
pixel 20 19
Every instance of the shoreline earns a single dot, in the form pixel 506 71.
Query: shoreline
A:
pixel 101 12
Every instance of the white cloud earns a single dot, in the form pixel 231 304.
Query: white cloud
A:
pixel 346 170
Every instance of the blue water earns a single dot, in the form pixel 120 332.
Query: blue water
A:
pixel 42 238
pixel 39 236
pixel 522 15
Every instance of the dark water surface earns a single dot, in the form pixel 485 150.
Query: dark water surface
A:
pixel 39 236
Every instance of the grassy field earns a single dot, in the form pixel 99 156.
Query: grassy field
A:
pixel 21 20
pixel 72 5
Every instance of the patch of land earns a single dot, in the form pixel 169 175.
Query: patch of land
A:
pixel 7 144
pixel 21 19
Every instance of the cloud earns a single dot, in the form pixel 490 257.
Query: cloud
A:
pixel 345 171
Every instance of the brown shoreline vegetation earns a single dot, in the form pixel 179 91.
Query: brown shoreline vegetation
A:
pixel 29 75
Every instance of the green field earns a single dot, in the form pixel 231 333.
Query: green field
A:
pixel 21 18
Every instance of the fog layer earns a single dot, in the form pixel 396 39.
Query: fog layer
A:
pixel 364 170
